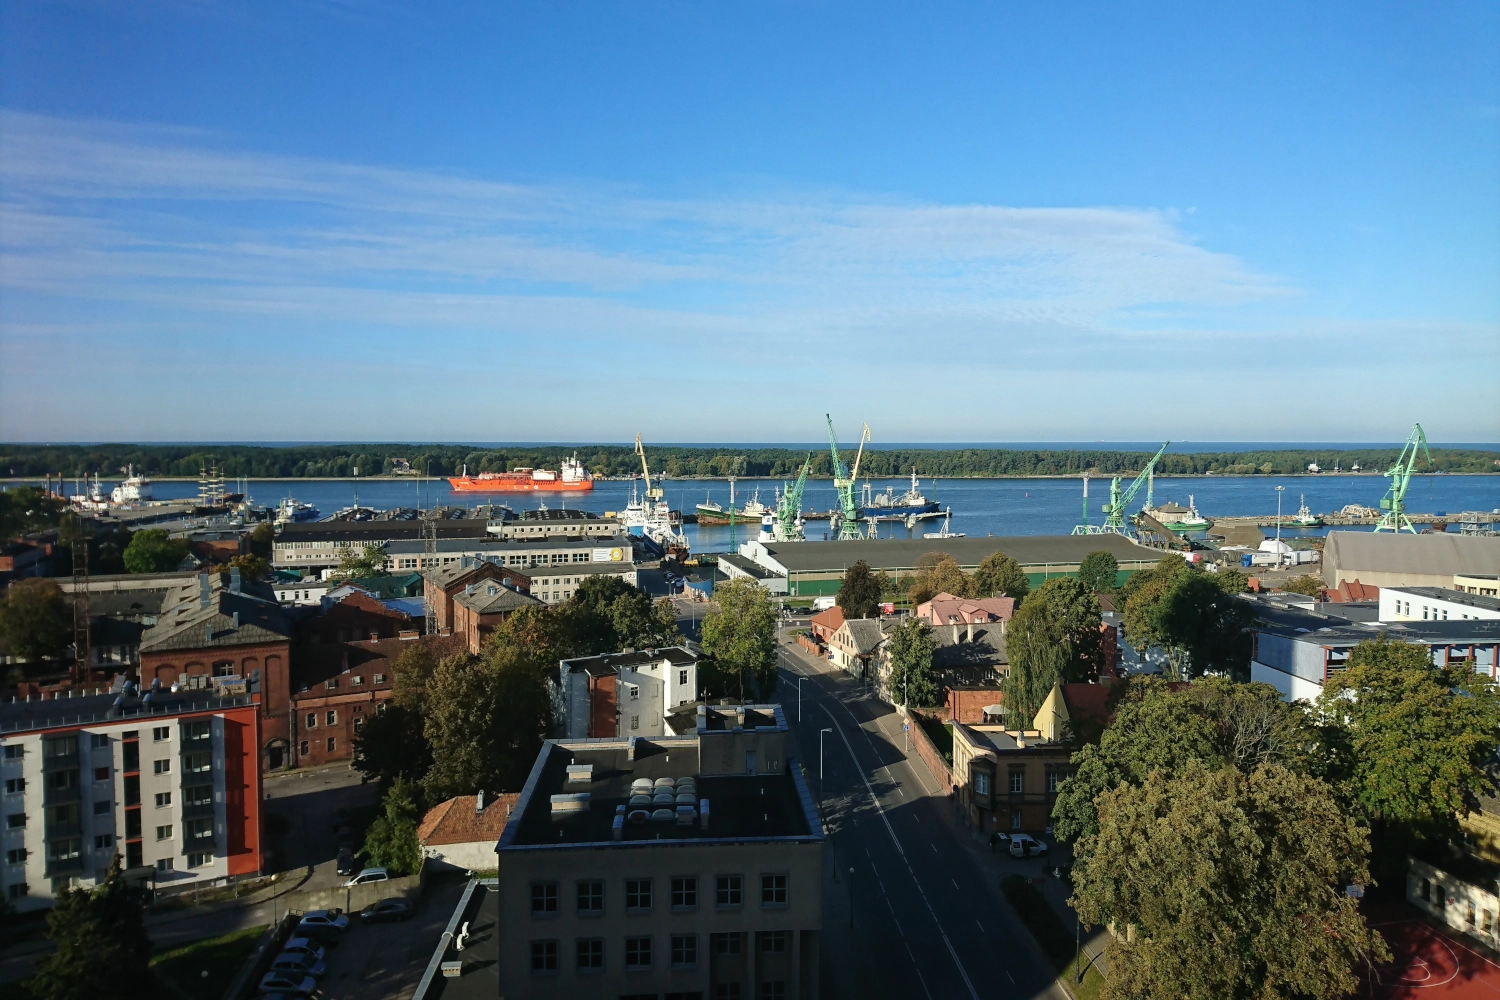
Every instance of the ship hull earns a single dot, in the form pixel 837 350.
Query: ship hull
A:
pixel 469 484
pixel 901 510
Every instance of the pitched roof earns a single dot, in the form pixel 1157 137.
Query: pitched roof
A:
pixel 1420 555
pixel 457 822
pixel 1349 591
pixel 493 599
pixel 831 619
pixel 986 650
pixel 227 619
pixel 865 633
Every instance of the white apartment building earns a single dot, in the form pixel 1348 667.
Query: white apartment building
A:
pixel 1435 604
pixel 626 694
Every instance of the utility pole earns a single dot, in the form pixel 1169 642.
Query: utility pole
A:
pixel 800 679
pixel 820 755
pixel 81 638
pixel 1278 524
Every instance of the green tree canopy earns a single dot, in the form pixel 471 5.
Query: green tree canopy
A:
pixel 391 841
pixel 1036 664
pixel 1001 574
pixel 642 623
pixel 1232 884
pixel 366 564
pixel 26 510
pixel 1098 571
pixel 909 651
pixel 152 550
pixel 860 593
pixel 1307 586
pixel 1231 581
pixel 1194 617
pixel 36 619
pixel 410 673
pixel 100 942
pixel 392 745
pixel 739 634
pixel 262 539
pixel 253 569
pixel 938 573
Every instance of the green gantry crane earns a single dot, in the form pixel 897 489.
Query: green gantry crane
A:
pixel 843 482
pixel 789 507
pixel 1114 510
pixel 1393 506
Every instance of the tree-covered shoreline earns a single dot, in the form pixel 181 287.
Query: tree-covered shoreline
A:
pixel 339 461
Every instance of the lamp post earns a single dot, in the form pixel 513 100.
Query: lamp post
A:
pixel 1278 524
pixel 820 754
pixel 800 679
pixel 851 897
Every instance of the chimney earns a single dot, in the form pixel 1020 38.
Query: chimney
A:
pixel 208 634
pixel 479 802
pixel 205 591
pixel 234 579
pixel 236 619
pixel 955 633
pixel 971 630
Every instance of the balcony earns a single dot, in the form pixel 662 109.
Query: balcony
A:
pixel 54 795
pixel 60 761
pixel 64 866
pixel 62 831
pixel 198 810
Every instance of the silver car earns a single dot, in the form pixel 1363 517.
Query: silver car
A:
pixel 296 963
pixel 288 982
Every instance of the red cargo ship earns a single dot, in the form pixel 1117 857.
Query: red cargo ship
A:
pixel 573 478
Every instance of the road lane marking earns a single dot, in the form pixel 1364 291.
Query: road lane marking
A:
pixel 981 926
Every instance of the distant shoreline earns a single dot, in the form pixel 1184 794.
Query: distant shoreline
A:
pixel 29 480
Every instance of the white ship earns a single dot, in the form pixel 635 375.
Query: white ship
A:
pixel 135 489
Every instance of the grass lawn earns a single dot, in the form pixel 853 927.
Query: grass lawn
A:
pixel 182 969
pixel 1058 942
pixel 940 733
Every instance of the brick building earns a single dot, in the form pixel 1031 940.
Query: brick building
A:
pixel 356 615
pixel 445 583
pixel 483 607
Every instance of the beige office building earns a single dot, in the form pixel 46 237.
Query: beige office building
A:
pixel 675 867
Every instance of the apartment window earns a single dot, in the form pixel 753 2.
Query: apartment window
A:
pixel 773 890
pixel 543 957
pixel 727 991
pixel 332 683
pixel 163 864
pixel 1015 819
pixel 729 890
pixel 543 898
pixel 684 951
pixel 15 821
pixel 332 744
pixel 14 751
pixel 635 722
pixel 200 795
pixel 197 763
pixel 15 786
pixel 15 856
pixel 981 783
pixel 380 678
pixel 773 989
pixel 356 681
pixel 725 944
pixel 590 954
pixel 1017 782
pixel 103 840
pixel 302 748
pixel 163 799
pixel 162 766
pixel 199 858
pixel 1052 779
pixel 101 774
pixel 103 807
pixel 637 953
pixel 772 942
pixel 685 893
pixel 591 896
pixel 332 719
pixel 161 734
pixel 1469 916
pixel 98 741
pixel 200 829
pixel 359 724
pixel 682 678
pixel 312 720
pixel 634 692
pixel 164 832
pixel 16 890
pixel 637 894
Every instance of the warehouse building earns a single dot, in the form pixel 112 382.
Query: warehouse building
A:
pixel 810 569
pixel 1389 559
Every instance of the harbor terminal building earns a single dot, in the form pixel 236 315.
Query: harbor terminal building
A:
pixel 813 569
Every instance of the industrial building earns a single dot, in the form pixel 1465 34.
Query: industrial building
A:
pixel 686 866
pixel 1392 559
pixel 310 547
pixel 805 569
pixel 1409 604
pixel 521 554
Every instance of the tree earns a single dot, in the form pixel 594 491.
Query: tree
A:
pixel 1064 612
pixel 410 673
pixel 391 746
pixel 1001 574
pixel 643 624
pixel 462 704
pixel 1035 666
pixel 391 841
pixel 262 539
pixel 541 635
pixel 253 568
pixel 939 573
pixel 152 550
pixel 1407 743
pixel 1231 581
pixel 859 595
pixel 36 619
pixel 1307 586
pixel 1211 627
pixel 101 947
pixel 1232 885
pixel 739 633
pixel 1098 571
pixel 27 510
pixel 909 649
pixel 368 563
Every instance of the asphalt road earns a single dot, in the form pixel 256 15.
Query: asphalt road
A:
pixel 929 920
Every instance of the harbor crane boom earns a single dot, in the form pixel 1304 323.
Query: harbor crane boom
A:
pixel 651 494
pixel 1393 505
pixel 789 509
pixel 843 482
pixel 1114 509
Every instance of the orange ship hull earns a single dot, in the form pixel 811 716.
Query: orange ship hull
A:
pixel 517 484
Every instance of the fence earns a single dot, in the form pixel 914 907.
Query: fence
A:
pixel 352 899
pixel 929 753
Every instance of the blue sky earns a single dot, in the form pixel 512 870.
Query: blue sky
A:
pixel 387 221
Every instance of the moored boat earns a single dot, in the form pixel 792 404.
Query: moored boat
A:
pixel 571 478
pixel 1178 517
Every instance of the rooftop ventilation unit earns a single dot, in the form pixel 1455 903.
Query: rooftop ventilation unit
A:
pixel 570 804
pixel 580 773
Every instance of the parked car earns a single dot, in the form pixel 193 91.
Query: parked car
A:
pixel 288 982
pixel 1024 845
pixel 304 946
pixel 300 964
pixel 369 875
pixel 344 836
pixel 346 863
pixel 391 909
pixel 322 925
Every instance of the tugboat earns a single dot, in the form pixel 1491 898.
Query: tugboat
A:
pixel 1178 517
pixel 1304 518
pixel 888 505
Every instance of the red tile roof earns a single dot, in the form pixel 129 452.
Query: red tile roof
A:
pixel 456 822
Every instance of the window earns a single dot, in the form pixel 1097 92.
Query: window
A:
pixel 637 894
pixel 98 741
pixel 637 953
pixel 101 774
pixel 359 723
pixel 332 744
pixel 163 799
pixel 162 766
pixel 64 850
pixel 590 954
pixel 15 821
pixel 302 748
pixel 200 829
pixel 1017 782
pixel 1469 916
pixel 773 890
pixel 161 734
pixel 725 944
pixel 684 950
pixel 103 840
pixel 729 890
pixel 17 889
pixel 163 864
pixel 199 858
pixel 312 720
pixel 103 807
pixel 543 957
pixel 773 989
pixel 15 856
pixel 333 682
pixel 772 942
pixel 197 763
pixel 332 719
pixel 1015 819
pixel 1052 779
pixel 15 786
pixel 200 795
pixel 635 722
pixel 543 898
pixel 13 751
pixel 682 678
pixel 981 783
pixel 634 692
pixel 727 991
pixel 685 893
pixel 356 681
pixel 380 678
pixel 164 832
pixel 591 897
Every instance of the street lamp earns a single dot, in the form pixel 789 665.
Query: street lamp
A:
pixel 1278 523
pixel 800 679
pixel 851 897
pixel 820 754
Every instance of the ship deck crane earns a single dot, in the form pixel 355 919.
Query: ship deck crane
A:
pixel 843 482
pixel 1114 509
pixel 1393 506
pixel 651 493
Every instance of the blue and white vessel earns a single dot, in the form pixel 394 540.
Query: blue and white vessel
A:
pixel 888 505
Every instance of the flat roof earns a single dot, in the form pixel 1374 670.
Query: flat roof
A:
pixel 98 709
pixel 479 907
pixel 495 543
pixel 741 807
pixel 1033 550
pixel 1451 596
pixel 1439 633
pixel 610 662
pixel 373 531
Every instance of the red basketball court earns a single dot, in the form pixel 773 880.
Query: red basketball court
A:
pixel 1428 964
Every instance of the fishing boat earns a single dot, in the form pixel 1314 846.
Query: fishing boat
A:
pixel 1304 517
pixel 710 510
pixel 571 478
pixel 888 505
pixel 1178 517
pixel 290 511
pixel 134 489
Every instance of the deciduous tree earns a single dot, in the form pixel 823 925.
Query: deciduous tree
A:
pixel 1307 586
pixel 939 573
pixel 909 650
pixel 370 562
pixel 739 633
pixel 152 550
pixel 36 619
pixel 100 945
pixel 1211 627
pixel 859 595
pixel 1001 574
pixel 253 569
pixel 392 745
pixel 26 510
pixel 1098 571
pixel 391 841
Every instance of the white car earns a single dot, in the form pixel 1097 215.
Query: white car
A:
pixel 288 982
pixel 1026 846
pixel 369 875
pixel 304 946
pixel 321 924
